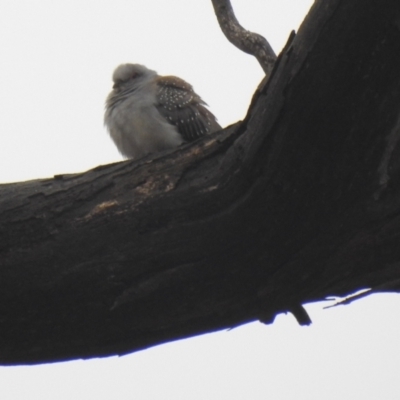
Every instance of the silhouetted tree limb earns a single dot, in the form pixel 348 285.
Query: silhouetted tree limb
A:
pixel 299 202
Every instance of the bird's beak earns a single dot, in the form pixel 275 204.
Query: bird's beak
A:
pixel 116 85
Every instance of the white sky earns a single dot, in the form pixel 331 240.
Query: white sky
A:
pixel 56 66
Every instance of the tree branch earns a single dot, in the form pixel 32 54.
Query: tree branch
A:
pixel 287 207
pixel 249 42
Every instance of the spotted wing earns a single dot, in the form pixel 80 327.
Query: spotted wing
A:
pixel 182 107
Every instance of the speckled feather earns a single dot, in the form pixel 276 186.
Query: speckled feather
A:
pixel 182 107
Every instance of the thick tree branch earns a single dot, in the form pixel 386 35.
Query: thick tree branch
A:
pixel 299 202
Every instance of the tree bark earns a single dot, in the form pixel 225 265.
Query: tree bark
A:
pixel 298 202
pixel 249 42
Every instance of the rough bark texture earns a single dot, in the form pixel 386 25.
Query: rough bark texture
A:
pixel 298 202
pixel 249 42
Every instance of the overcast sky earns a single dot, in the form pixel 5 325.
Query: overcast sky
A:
pixel 57 58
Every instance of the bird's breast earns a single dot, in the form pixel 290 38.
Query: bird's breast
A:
pixel 138 129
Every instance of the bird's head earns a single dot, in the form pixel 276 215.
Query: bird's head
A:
pixel 129 76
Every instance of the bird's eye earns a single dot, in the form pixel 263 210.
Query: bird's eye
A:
pixel 134 75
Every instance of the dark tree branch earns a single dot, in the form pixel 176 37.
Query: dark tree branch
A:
pixel 299 202
pixel 249 42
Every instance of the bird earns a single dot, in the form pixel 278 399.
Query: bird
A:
pixel 147 113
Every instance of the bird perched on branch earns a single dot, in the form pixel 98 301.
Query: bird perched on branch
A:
pixel 146 113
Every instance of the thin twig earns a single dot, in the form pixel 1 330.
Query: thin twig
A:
pixel 387 287
pixel 249 42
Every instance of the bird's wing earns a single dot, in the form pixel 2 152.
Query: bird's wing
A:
pixel 181 106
